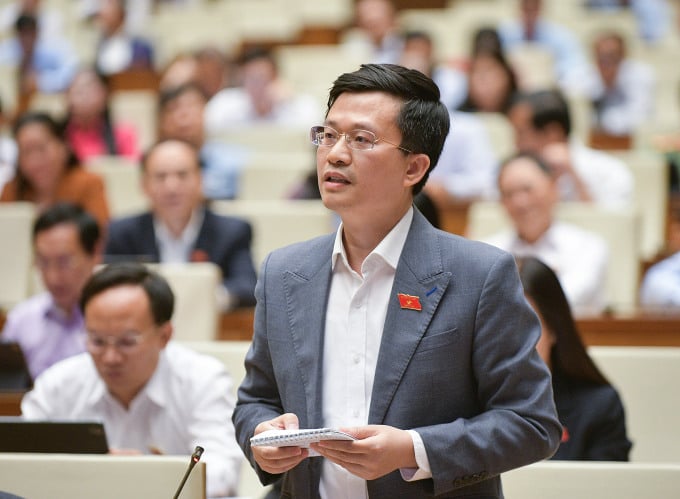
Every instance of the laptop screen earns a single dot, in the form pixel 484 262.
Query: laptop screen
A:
pixel 14 373
pixel 71 437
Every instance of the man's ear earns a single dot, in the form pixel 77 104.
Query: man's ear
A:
pixel 417 168
pixel 165 331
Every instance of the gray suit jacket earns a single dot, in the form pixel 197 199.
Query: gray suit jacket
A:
pixel 463 372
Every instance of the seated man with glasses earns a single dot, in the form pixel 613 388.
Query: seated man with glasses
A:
pixel 153 396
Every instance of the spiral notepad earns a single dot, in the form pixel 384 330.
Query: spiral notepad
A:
pixel 297 438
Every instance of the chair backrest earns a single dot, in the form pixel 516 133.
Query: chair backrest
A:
pixel 16 252
pixel 122 180
pixel 277 223
pixel 62 476
pixel 589 479
pixel 646 379
pixel 137 107
pixel 650 177
pixel 619 229
pixel 274 175
pixel 194 284
pixel 231 353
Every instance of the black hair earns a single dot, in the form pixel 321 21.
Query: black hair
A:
pixel 157 289
pixel 25 22
pixel 569 358
pixel 68 213
pixel 547 107
pixel 54 128
pixel 171 94
pixel 534 158
pixel 423 119
pixel 107 122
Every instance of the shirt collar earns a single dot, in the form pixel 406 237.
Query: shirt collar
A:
pixel 54 312
pixel 389 249
pixel 189 234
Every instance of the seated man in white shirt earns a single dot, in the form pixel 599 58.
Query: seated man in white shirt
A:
pixel 529 195
pixel 543 126
pixel 152 395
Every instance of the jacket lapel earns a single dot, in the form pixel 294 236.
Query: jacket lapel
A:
pixel 306 293
pixel 419 273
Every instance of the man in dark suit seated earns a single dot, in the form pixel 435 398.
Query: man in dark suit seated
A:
pixel 180 229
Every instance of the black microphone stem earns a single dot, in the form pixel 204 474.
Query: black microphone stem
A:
pixel 195 457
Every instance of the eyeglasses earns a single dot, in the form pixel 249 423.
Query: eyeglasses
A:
pixel 359 140
pixel 124 344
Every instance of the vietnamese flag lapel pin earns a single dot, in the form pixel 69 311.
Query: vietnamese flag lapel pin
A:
pixel 409 302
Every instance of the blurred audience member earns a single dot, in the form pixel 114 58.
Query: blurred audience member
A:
pixel 182 117
pixel 375 32
pixel 261 97
pixel 660 287
pixel 43 64
pixel 50 22
pixel 180 229
pixel 213 70
pixel 89 127
pixel 542 126
pixel 8 150
pixel 154 396
pixel 181 69
pixel 528 191
pixel 118 50
pixel 49 325
pixel 491 84
pixel 467 167
pixel 652 16
pixel 572 68
pixel 623 92
pixel 419 54
pixel 588 406
pixel 48 172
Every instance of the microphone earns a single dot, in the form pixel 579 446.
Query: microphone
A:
pixel 195 457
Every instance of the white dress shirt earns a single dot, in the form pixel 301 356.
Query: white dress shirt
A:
pixel 661 284
pixel 187 402
pixel 467 167
pixel 608 180
pixel 578 257
pixel 173 249
pixel 355 317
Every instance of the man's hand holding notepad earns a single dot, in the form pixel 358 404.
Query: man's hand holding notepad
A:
pixel 297 438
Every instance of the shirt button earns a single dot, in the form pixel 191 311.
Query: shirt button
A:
pixel 356 358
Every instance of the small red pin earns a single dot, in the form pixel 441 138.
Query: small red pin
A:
pixel 565 435
pixel 409 302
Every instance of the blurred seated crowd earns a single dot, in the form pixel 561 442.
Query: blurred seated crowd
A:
pixel 562 129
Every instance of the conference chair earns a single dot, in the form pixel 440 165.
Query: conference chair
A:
pixel 274 175
pixel 68 476
pixel 122 182
pixel 646 379
pixel 277 223
pixel 592 480
pixel 194 284
pixel 16 252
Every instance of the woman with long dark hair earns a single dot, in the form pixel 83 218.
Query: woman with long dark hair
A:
pixel 588 406
pixel 48 172
pixel 89 128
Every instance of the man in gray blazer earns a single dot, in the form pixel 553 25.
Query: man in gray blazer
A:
pixel 417 342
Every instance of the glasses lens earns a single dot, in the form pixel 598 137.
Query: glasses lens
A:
pixel 324 136
pixel 361 139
